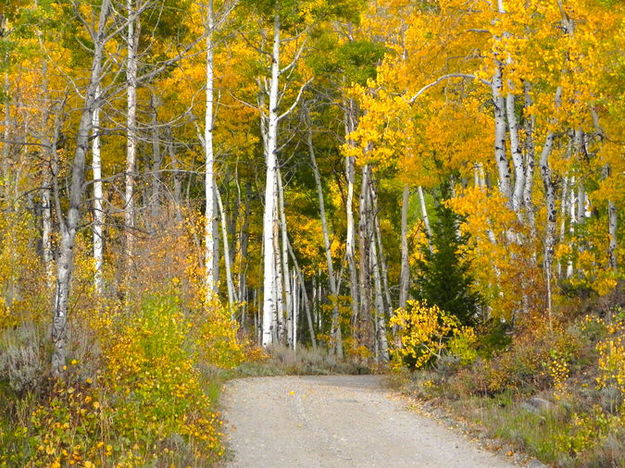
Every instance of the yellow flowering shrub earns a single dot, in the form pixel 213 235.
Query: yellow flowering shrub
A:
pixel 463 345
pixel 425 332
pixel 558 369
pixel 20 296
pixel 65 428
pixel 612 358
pixel 149 361
pixel 215 335
pixel 146 404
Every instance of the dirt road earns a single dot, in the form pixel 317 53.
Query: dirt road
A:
pixel 337 421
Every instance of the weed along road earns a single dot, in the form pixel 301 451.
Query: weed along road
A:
pixel 337 421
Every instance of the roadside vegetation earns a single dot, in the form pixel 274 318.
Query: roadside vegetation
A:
pixel 431 186
pixel 552 390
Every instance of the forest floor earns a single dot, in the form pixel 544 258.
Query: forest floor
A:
pixel 337 421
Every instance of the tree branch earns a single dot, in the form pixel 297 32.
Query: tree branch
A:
pixel 296 102
pixel 446 77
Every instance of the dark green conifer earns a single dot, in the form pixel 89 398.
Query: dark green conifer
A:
pixel 443 276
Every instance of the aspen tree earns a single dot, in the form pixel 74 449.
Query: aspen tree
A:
pixel 69 224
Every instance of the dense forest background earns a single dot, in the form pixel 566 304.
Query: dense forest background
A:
pixel 420 184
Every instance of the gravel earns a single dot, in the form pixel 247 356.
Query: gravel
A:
pixel 337 421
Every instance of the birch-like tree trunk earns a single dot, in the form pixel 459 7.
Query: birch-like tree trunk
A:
pixel 377 238
pixel 424 211
pixel 98 203
pixel 364 236
pixel 6 156
pixel 530 161
pixel 177 176
pixel 243 260
pixel 404 278
pixel 612 228
pixel 278 335
pixel 381 339
pixel 573 219
pixel 157 159
pixel 499 106
pixel 296 306
pixel 131 131
pixel 612 231
pixel 550 201
pixel 270 310
pixel 337 339
pixel 309 316
pixel 517 154
pixel 350 241
pixel 69 225
pixel 284 255
pixel 232 299
pixel 46 231
pixel 210 215
pixel 46 195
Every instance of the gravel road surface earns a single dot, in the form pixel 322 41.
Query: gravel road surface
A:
pixel 337 421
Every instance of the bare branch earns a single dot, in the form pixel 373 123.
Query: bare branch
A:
pixel 446 77
pixel 296 102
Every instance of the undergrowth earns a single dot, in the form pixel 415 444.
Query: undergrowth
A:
pixel 141 399
pixel 280 360
pixel 554 391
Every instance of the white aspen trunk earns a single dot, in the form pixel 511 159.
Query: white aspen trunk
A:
pixel 309 316
pixel 404 278
pixel 176 176
pixel 131 132
pixel 292 335
pixel 69 226
pixel 232 299
pixel 572 223
pixel 269 261
pixel 424 211
pixel 478 175
pixel 210 215
pixel 563 211
pixel 530 161
pixel 155 197
pixel 285 261
pixel 350 241
pixel 501 159
pixel 6 157
pixel 550 200
pixel 612 226
pixel 296 307
pixel 98 203
pixel 517 155
pixel 381 339
pixel 243 260
pixel 581 203
pixel 279 289
pixel 364 234
pixel 337 339
pixel 612 231
pixel 46 235
pixel 216 251
pixel 46 195
pixel 377 237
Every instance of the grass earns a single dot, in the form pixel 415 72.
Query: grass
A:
pixel 281 360
pixel 568 433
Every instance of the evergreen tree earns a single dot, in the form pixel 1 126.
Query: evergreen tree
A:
pixel 443 277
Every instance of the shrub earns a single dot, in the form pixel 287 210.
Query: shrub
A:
pixel 149 368
pixel 146 405
pixel 612 358
pixel 21 357
pixel 425 332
